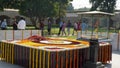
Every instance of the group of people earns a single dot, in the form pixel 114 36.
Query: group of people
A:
pixel 62 27
pixel 20 25
pixel 77 26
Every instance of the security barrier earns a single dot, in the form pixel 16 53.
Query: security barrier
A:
pixel 17 34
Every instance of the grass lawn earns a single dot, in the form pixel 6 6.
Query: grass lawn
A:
pixel 27 28
pixel 55 30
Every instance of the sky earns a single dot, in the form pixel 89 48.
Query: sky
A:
pixel 85 3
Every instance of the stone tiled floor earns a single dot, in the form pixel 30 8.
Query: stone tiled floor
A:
pixel 115 63
pixel 7 65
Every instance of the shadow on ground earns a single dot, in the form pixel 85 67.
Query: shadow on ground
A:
pixel 116 52
pixel 108 65
pixel 7 65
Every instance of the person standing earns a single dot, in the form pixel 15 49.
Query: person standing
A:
pixel 83 26
pixel 4 25
pixel 42 26
pixel 60 27
pixel 21 24
pixel 49 27
pixel 68 27
pixel 96 26
pixel 74 28
pixel 79 25
pixel 15 25
pixel 63 28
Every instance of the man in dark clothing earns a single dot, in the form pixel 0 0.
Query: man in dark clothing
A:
pixel 60 27
pixel 42 26
pixel 68 26
pixel 15 25
pixel 49 27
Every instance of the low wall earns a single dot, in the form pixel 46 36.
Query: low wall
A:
pixel 17 34
pixel 115 37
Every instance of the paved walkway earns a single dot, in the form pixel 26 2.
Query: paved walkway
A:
pixel 115 63
pixel 7 65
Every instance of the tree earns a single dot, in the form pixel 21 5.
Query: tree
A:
pixel 9 4
pixel 95 4
pixel 1 4
pixel 103 5
pixel 108 6
pixel 37 10
pixel 62 5
pixel 40 9
pixel 70 7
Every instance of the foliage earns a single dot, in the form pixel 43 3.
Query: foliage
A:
pixel 108 6
pixel 103 5
pixel 95 4
pixel 37 10
pixel 9 4
pixel 1 5
pixel 70 7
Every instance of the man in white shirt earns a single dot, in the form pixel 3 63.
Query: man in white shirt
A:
pixel 21 24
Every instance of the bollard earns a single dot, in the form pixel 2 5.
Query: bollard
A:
pixel 93 55
pixel 94 45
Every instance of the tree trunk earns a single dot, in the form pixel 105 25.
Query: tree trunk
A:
pixel 34 22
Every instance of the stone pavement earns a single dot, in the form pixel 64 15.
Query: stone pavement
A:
pixel 115 63
pixel 7 65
